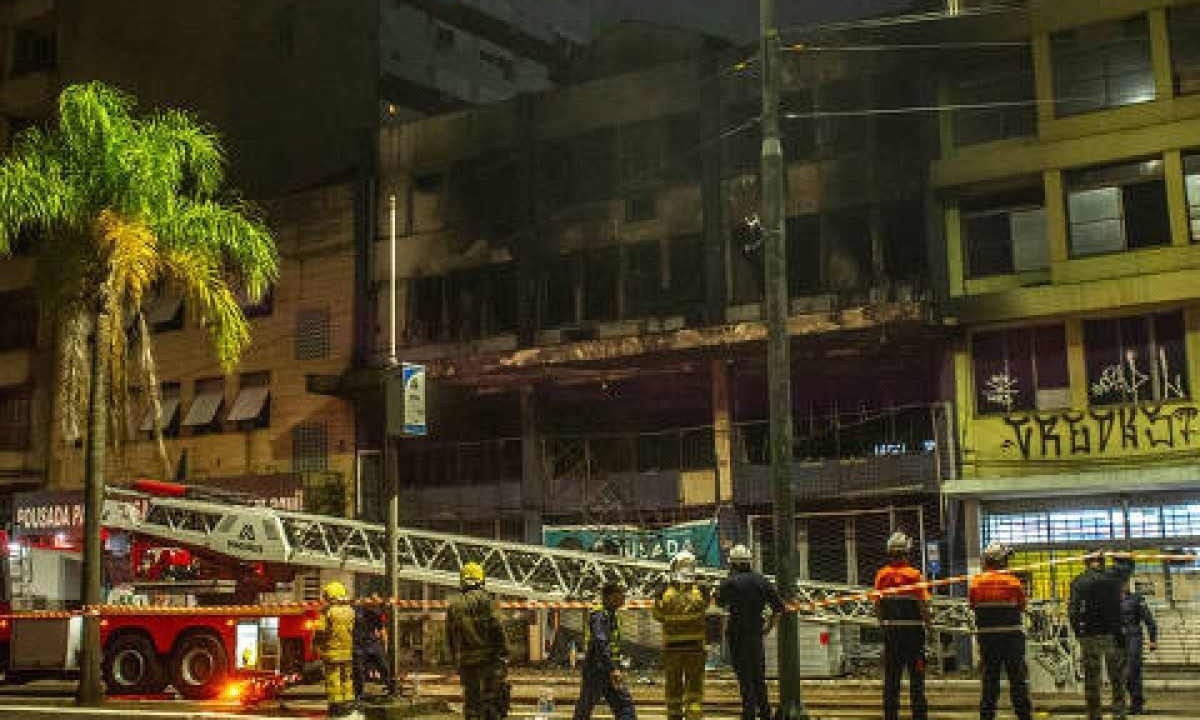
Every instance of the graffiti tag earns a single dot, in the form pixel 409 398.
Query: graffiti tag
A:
pixel 1096 431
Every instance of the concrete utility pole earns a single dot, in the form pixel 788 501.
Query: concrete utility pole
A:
pixel 91 685
pixel 779 368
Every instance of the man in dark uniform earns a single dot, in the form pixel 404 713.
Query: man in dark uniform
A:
pixel 1134 614
pixel 904 617
pixel 998 599
pixel 745 594
pixel 1095 615
pixel 369 654
pixel 477 647
pixel 602 677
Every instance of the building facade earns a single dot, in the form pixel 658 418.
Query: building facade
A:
pixel 1069 212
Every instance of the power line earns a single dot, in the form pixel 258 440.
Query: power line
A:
pixel 916 109
pixel 896 47
pixel 907 19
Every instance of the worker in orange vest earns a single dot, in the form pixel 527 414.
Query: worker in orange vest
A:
pixel 904 617
pixel 998 599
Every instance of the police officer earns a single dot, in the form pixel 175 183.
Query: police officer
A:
pixel 334 635
pixel 681 607
pixel 904 617
pixel 1094 612
pixel 477 646
pixel 745 594
pixel 368 647
pixel 1134 614
pixel 602 676
pixel 998 599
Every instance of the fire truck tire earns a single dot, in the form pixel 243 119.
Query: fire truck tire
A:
pixel 200 667
pixel 132 667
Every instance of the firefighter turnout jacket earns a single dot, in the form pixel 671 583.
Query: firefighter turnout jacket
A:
pixel 335 633
pixel 903 608
pixel 473 630
pixel 681 609
pixel 998 599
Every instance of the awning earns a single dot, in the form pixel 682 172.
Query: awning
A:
pixel 170 406
pixel 163 309
pixel 249 403
pixel 204 408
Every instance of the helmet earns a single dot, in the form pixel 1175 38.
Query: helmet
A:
pixel 739 555
pixel 996 555
pixel 471 575
pixel 683 566
pixel 899 544
pixel 334 591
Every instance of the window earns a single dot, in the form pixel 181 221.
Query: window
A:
pixel 169 415
pixel 558 291
pixel 600 278
pixel 687 273
pixel 164 311
pixel 18 324
pixel 799 134
pixel 503 298
pixel 252 309
pixel 804 255
pixel 640 207
pixel 643 279
pixel 1191 171
pixel 1117 208
pixel 1005 233
pixel 34 49
pixel 846 129
pixel 310 447
pixel 312 335
pixel 1136 359
pixel 425 320
pixel 204 415
pixel 741 143
pixel 252 407
pixel 1103 65
pixel 994 80
pixel 14 417
pixel 464 303
pixel 1183 23
pixel 1020 369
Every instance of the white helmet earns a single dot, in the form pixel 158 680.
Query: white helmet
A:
pixel 683 566
pixel 739 555
pixel 996 554
pixel 899 544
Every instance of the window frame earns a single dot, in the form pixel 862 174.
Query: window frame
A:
pixel 981 410
pixel 1010 205
pixel 1149 321
pixel 1119 177
pixel 1074 44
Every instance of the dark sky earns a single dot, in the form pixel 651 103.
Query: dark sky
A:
pixel 738 18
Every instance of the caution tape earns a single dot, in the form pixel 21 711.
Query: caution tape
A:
pixel 300 608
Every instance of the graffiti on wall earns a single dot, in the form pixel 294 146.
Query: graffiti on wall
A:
pixel 1119 430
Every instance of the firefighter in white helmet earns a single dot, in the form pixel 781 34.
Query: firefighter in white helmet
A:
pixel 998 599
pixel 335 640
pixel 902 603
pixel 680 606
pixel 745 594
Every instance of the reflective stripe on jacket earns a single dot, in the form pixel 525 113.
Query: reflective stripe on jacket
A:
pixel 997 599
pixel 473 630
pixel 904 607
pixel 335 633
pixel 681 610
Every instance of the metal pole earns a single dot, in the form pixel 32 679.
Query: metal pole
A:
pixel 391 561
pixel 779 380
pixel 91 690
pixel 392 280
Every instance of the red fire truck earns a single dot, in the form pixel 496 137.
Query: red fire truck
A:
pixel 191 617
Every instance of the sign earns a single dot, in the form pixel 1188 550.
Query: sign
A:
pixel 47 513
pixel 700 538
pixel 414 399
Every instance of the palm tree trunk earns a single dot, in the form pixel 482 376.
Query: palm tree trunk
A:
pixel 91 689
pixel 155 393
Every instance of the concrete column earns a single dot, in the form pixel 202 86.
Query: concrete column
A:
pixel 972 533
pixel 1057 235
pixel 802 572
pixel 1043 78
pixel 1191 323
pixel 1160 54
pixel 851 552
pixel 532 484
pixel 722 430
pixel 1177 202
pixel 1076 363
pixel 956 268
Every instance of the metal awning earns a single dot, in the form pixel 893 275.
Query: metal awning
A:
pixel 170 406
pixel 204 408
pixel 249 403
pixel 163 309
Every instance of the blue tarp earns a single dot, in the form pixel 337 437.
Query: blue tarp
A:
pixel 699 537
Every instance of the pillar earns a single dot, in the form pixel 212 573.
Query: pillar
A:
pixel 1057 233
pixel 1160 54
pixel 722 430
pixel 851 552
pixel 802 571
pixel 972 534
pixel 1177 202
pixel 532 486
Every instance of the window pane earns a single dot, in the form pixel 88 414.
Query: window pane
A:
pixel 1030 250
pixel 1136 87
pixel 1020 367
pixel 987 352
pixel 989 243
pixel 1145 522
pixel 1092 205
pixel 1102 354
pixel 1050 343
pixel 1147 222
pixel 1102 65
pixel 1184 27
pixel 1096 238
pixel 1171 358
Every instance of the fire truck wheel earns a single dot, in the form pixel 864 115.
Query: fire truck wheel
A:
pixel 200 667
pixel 132 667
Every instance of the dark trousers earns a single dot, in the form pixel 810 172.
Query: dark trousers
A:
pixel 597 685
pixel 372 657
pixel 483 690
pixel 904 651
pixel 1004 653
pixel 1133 659
pixel 750 664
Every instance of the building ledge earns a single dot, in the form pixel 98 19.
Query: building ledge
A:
pixel 1133 478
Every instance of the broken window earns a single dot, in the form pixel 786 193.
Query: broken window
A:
pixel 18 325
pixel 804 255
pixel 1118 207
pixel 741 141
pixel 1020 369
pixel 658 452
pixel 593 168
pixel 747 254
pixel 1102 65
pixel 204 414
pixel 643 280
pixel 799 133
pixel 849 261
pixel 558 291
pixel 1184 26
pixel 686 272
pixel 502 298
pixel 845 127
pixel 1136 359
pixel 425 320
pixel 600 277
pixel 464 303
pixel 993 82
pixel 1005 232
pixel 14 417
pixel 641 152
pixel 683 158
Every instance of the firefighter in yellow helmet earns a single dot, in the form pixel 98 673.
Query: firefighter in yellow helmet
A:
pixel 476 641
pixel 335 640
pixel 681 606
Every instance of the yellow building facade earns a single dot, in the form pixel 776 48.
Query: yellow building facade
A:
pixel 1071 208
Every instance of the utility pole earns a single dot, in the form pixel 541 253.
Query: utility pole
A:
pixel 91 688
pixel 779 368
pixel 388 456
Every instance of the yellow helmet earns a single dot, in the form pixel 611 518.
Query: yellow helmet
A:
pixel 334 590
pixel 471 574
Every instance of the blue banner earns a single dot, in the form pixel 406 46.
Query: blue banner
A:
pixel 699 537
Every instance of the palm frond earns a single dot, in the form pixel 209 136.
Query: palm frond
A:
pixel 203 283
pixel 235 235
pixel 187 151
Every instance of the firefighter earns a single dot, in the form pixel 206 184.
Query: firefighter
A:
pixel 681 608
pixel 335 631
pixel 904 617
pixel 369 653
pixel 477 647
pixel 1134 614
pixel 745 594
pixel 1095 614
pixel 998 599
pixel 602 678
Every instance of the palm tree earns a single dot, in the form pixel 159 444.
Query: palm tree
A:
pixel 121 206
